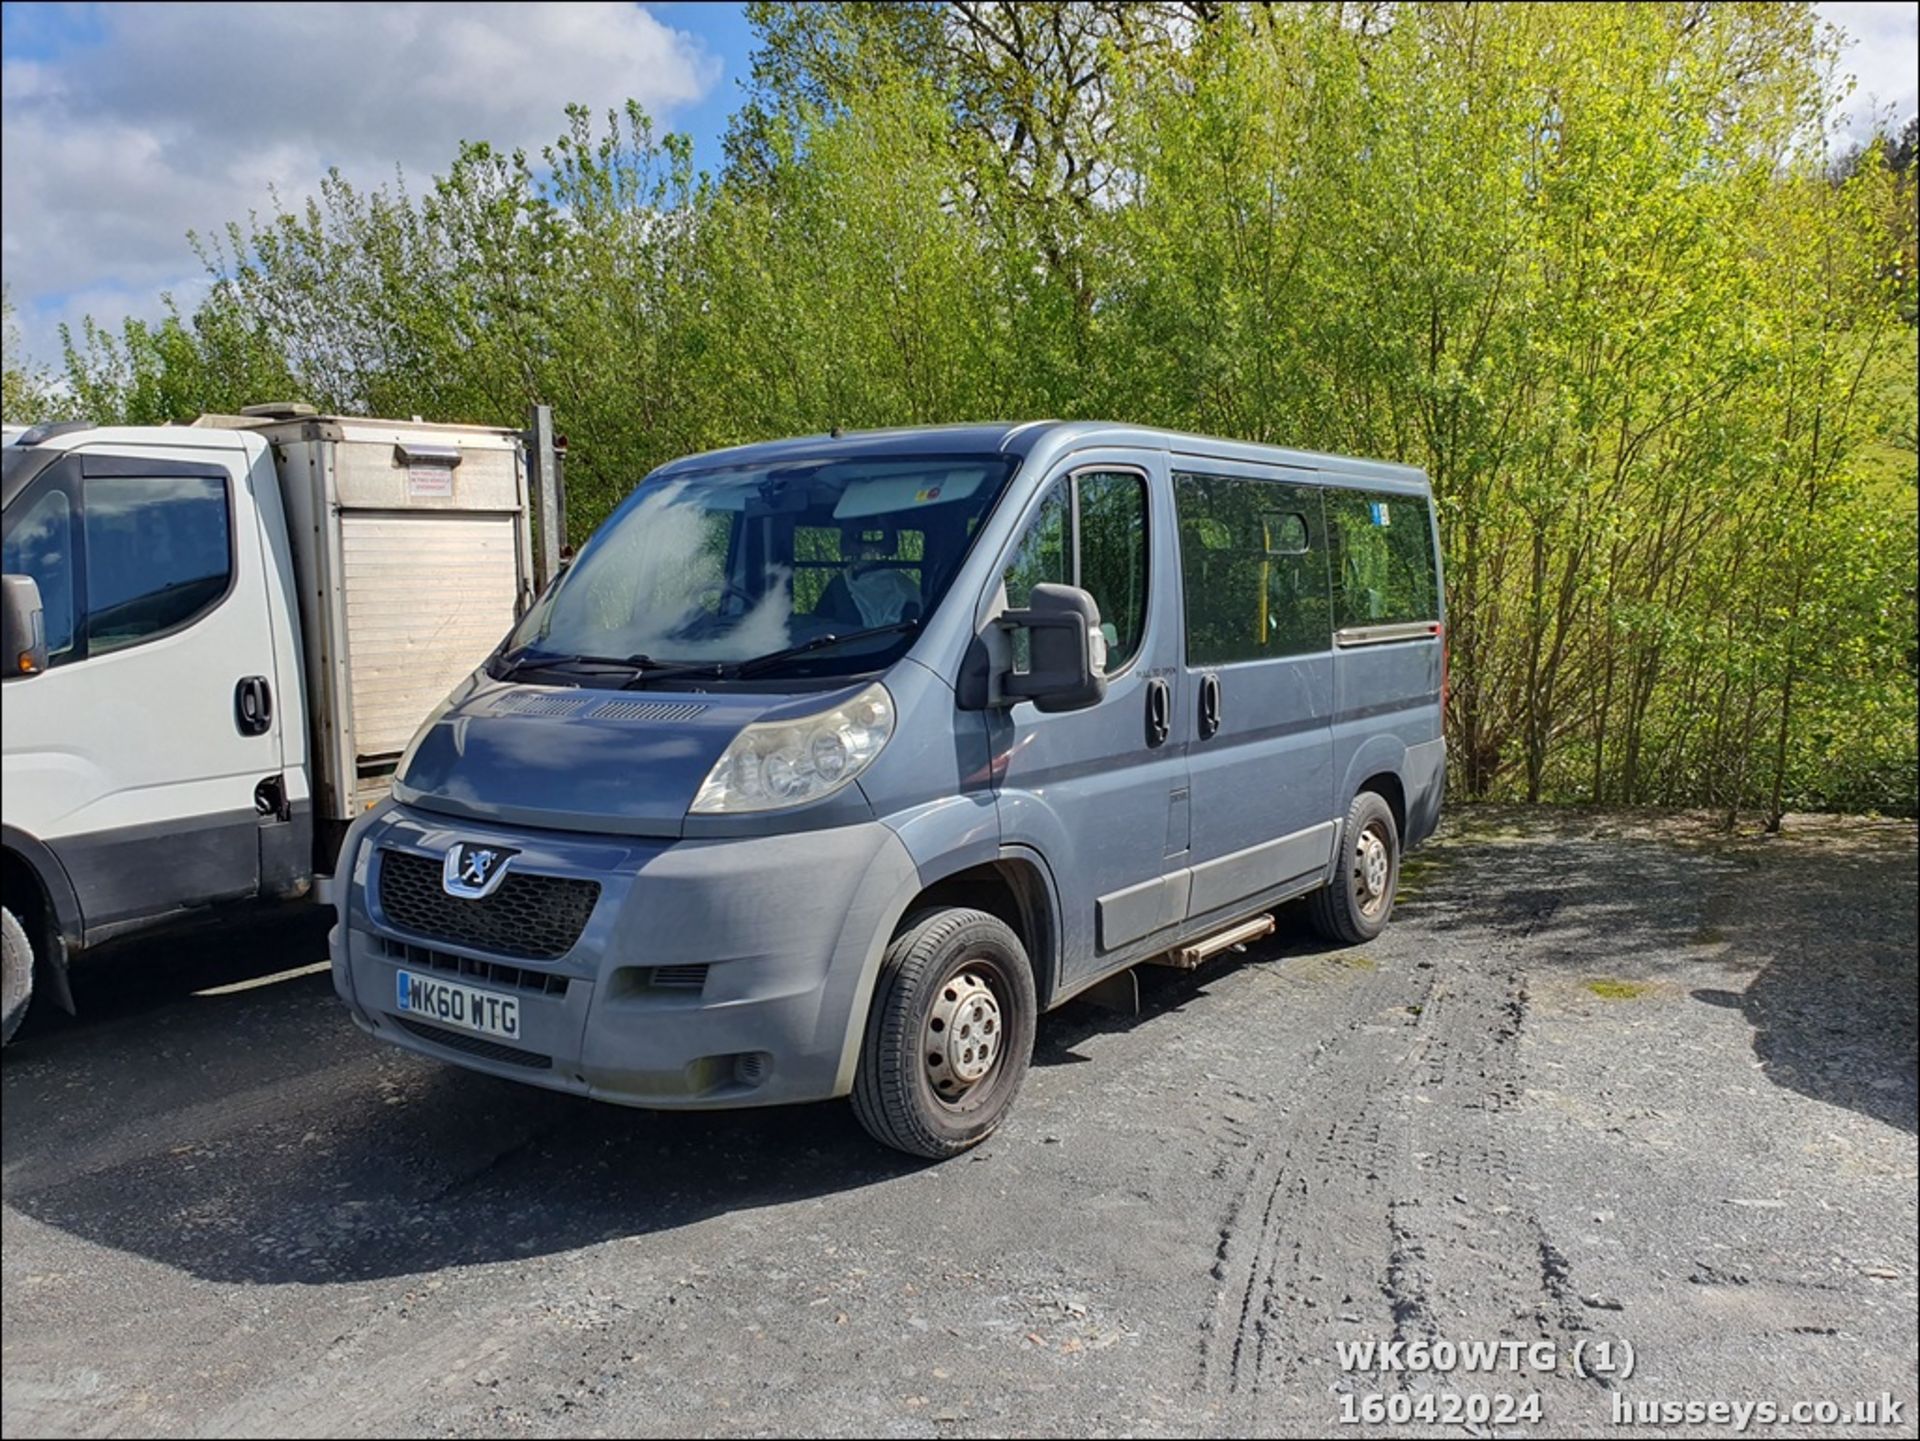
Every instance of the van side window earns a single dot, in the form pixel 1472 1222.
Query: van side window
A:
pixel 1383 568
pixel 1253 557
pixel 1045 555
pixel 1113 557
pixel 1109 560
pixel 158 555
pixel 40 544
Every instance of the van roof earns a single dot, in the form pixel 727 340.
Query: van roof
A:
pixel 1046 440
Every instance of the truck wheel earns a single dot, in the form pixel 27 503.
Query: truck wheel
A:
pixel 16 974
pixel 949 1034
pixel 1354 906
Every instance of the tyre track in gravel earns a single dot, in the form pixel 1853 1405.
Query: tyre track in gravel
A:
pixel 1354 1215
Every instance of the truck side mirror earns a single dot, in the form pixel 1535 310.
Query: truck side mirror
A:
pixel 23 627
pixel 1068 653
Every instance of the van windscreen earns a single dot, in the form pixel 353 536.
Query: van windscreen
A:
pixel 718 567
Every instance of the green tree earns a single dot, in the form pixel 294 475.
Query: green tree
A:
pixel 1591 266
pixel 24 394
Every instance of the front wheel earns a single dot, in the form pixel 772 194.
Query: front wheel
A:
pixel 949 1035
pixel 1355 904
pixel 16 974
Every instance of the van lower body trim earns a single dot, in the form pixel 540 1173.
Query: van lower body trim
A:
pixel 1226 879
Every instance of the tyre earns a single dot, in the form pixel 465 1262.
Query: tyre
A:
pixel 16 974
pixel 1355 904
pixel 949 1034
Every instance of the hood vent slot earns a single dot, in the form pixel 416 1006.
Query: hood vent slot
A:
pixel 539 703
pixel 646 710
pixel 548 703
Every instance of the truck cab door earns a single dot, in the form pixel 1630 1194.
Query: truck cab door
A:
pixel 138 756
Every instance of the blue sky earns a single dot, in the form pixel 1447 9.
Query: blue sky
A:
pixel 124 127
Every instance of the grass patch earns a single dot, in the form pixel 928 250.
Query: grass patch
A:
pixel 1608 989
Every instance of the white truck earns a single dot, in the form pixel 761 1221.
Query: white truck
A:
pixel 218 640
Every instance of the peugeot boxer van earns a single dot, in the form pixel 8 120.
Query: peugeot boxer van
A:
pixel 831 764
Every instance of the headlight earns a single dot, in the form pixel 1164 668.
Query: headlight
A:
pixel 773 764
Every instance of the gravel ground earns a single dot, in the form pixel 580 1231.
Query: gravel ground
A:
pixel 1606 1078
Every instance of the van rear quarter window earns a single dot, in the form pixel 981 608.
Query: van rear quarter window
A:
pixel 1383 564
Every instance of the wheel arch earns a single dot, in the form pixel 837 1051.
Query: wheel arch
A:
pixel 1378 764
pixel 32 880
pixel 1393 790
pixel 1015 888
pixel 1008 881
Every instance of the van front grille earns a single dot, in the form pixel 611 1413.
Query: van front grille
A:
pixel 536 916
pixel 492 973
pixel 474 1045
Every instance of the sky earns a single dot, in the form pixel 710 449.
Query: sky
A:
pixel 123 127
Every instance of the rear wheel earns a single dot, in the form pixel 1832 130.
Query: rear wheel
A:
pixel 16 974
pixel 1355 904
pixel 949 1034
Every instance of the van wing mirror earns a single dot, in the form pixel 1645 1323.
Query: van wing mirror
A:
pixel 23 627
pixel 1067 652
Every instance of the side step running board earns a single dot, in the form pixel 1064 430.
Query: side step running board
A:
pixel 1186 958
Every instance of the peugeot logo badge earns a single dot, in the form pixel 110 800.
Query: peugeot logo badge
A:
pixel 473 871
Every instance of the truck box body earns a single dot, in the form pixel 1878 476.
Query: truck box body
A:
pixel 412 552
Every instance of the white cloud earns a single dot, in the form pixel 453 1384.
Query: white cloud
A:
pixel 181 116
pixel 1882 54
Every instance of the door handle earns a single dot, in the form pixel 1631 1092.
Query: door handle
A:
pixel 1159 712
pixel 253 705
pixel 1209 706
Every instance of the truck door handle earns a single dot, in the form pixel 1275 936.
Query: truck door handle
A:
pixel 1209 706
pixel 253 705
pixel 1159 712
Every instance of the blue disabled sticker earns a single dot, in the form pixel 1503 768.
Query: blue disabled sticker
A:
pixel 1379 510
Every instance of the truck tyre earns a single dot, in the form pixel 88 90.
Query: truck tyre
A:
pixel 16 974
pixel 1354 906
pixel 949 1034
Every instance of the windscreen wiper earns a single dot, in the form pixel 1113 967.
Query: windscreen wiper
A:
pixel 535 660
pixel 822 642
pixel 648 670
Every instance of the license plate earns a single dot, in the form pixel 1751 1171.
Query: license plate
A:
pixel 451 1004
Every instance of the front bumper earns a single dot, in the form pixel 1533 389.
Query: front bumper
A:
pixel 709 973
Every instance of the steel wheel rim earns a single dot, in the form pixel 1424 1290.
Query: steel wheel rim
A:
pixel 1372 868
pixel 964 1038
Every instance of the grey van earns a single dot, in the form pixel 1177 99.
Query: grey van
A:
pixel 830 764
